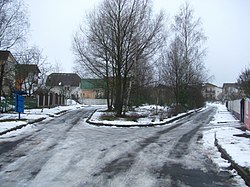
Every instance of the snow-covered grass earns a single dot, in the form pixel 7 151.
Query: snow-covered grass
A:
pixel 225 127
pixel 139 116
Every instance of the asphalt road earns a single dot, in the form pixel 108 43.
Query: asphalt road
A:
pixel 68 152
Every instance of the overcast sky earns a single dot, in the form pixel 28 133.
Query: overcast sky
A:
pixel 226 24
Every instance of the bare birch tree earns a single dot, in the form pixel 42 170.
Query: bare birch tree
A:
pixel 118 35
pixel 183 61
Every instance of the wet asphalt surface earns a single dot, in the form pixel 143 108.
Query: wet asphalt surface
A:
pixel 67 151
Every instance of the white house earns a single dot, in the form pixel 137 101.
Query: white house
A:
pixel 212 92
pixel 67 84
pixel 231 91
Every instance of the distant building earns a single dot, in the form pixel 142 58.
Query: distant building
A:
pixel 92 89
pixel 231 91
pixel 7 73
pixel 27 77
pixel 211 92
pixel 67 84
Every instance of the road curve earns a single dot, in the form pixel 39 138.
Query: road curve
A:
pixel 67 151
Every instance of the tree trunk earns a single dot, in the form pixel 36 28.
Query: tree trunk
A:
pixel 127 98
pixel 118 96
pixel 109 104
pixel 1 79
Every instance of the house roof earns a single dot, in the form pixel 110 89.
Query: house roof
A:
pixel 209 85
pixel 27 68
pixel 234 85
pixel 63 79
pixel 23 71
pixel 4 55
pixel 90 84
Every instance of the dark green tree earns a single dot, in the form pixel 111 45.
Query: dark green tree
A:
pixel 244 81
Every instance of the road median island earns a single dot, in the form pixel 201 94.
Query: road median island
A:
pixel 137 124
pixel 243 172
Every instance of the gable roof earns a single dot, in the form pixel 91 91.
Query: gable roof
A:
pixel 4 55
pixel 25 69
pixel 209 85
pixel 233 85
pixel 63 79
pixel 90 84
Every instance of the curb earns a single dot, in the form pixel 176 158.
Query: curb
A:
pixel 134 125
pixel 241 171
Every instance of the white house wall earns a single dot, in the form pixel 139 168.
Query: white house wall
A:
pixel 72 91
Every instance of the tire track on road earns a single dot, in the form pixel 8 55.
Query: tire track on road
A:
pixel 36 149
pixel 125 161
pixel 182 146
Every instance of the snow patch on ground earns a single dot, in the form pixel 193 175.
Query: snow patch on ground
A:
pixel 84 150
pixel 237 147
pixel 7 125
pixel 10 120
pixel 224 126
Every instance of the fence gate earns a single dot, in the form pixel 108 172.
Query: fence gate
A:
pixel 242 110
pixel 247 112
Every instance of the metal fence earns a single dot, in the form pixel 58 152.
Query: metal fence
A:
pixel 241 109
pixel 50 100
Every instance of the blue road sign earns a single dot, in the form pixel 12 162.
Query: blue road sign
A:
pixel 19 103
pixel 20 92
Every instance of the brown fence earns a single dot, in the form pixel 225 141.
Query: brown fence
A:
pixel 50 100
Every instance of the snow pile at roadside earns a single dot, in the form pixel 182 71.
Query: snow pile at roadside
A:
pixel 4 126
pixel 225 127
pixel 237 147
pixel 222 115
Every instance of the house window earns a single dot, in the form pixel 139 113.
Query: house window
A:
pixel 66 88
